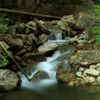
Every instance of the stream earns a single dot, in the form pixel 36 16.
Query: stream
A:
pixel 50 89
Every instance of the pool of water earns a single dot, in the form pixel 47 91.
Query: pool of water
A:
pixel 50 89
pixel 55 92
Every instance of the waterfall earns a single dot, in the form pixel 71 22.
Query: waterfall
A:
pixel 58 36
pixel 50 66
pixel 68 33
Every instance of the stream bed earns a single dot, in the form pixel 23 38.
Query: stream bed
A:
pixel 50 89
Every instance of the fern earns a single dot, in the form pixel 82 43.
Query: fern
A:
pixel 96 30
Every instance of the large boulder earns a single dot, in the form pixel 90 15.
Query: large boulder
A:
pixel 9 80
pixel 47 47
pixel 15 44
pixel 85 21
pixel 40 75
pixel 69 19
pixel 64 76
pixel 33 57
pixel 85 58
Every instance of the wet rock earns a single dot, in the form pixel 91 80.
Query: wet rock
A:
pixel 31 67
pixel 33 57
pixel 98 80
pixel 85 21
pixel 40 75
pixel 41 39
pixel 64 76
pixel 55 30
pixel 9 80
pixel 47 47
pixel 83 58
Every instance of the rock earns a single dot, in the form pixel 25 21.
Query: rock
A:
pixel 41 39
pixel 92 72
pixel 9 80
pixel 20 28
pixel 31 67
pixel 71 83
pixel 47 47
pixel 5 45
pixel 33 57
pixel 85 21
pixel 40 75
pixel 80 38
pixel 32 39
pixel 55 30
pixel 98 80
pixel 79 74
pixel 79 82
pixel 69 19
pixel 83 58
pixel 93 66
pixel 81 69
pixel 89 80
pixel 64 76
pixel 15 44
pixel 12 30
pixel 32 25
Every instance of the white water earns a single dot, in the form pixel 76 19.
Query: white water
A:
pixel 48 66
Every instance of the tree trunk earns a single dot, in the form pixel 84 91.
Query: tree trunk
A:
pixel 16 12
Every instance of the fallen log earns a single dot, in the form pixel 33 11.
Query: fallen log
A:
pixel 16 12
pixel 42 27
pixel 14 61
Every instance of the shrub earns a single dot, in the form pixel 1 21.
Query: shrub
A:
pixel 96 30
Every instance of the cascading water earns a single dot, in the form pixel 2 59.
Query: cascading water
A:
pixel 48 66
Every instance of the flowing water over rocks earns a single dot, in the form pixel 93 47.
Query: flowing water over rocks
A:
pixel 55 67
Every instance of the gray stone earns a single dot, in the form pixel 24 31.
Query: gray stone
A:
pixel 9 80
pixel 20 27
pixel 15 44
pixel 69 19
pixel 64 76
pixel 81 69
pixel 79 74
pixel 33 57
pixel 89 80
pixel 47 47
pixel 85 21
pixel 83 58
pixel 40 75
pixel 98 80
pixel 93 66
pixel 41 39
pixel 31 25
pixel 92 72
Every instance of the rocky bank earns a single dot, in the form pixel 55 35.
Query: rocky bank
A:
pixel 29 43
